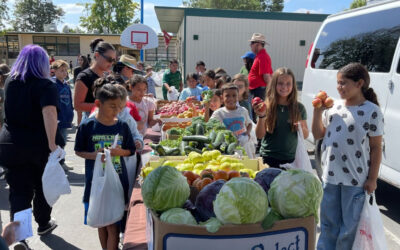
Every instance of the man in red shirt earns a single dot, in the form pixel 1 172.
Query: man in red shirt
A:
pixel 261 72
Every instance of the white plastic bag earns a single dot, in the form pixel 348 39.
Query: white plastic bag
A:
pixel 302 160
pixel 173 95
pixel 248 146
pixel 157 77
pixel 370 232
pixel 106 203
pixel 54 181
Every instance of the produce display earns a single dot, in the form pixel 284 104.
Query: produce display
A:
pixel 229 200
pixel 322 98
pixel 180 109
pixel 199 137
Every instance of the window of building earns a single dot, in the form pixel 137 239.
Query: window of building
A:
pixel 59 45
pixel 9 46
pixel 359 39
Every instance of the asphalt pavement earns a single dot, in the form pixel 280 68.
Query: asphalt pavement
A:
pixel 72 234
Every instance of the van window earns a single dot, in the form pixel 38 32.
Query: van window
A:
pixel 370 39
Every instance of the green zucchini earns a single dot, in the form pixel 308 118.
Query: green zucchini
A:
pixel 173 152
pixel 231 148
pixel 193 144
pixel 196 138
pixel 189 149
pixel 212 135
pixel 218 141
pixel 160 150
pixel 223 147
pixel 199 129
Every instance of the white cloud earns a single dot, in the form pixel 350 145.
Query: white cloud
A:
pixel 303 10
pixel 148 7
pixel 71 8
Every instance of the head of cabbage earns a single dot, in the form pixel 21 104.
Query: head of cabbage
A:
pixel 296 193
pixel 178 216
pixel 241 201
pixel 165 188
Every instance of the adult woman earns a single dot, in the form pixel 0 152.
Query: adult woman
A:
pixel 29 133
pixel 104 57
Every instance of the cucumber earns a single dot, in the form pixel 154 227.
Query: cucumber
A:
pixel 153 146
pixel 193 144
pixel 182 147
pixel 196 138
pixel 231 148
pixel 213 135
pixel 199 129
pixel 189 149
pixel 173 152
pixel 223 147
pixel 218 141
pixel 160 150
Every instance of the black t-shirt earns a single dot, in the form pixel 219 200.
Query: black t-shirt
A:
pixel 76 72
pixel 93 135
pixel 88 77
pixel 24 124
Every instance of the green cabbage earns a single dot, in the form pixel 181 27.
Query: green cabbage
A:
pixel 296 193
pixel 178 216
pixel 240 201
pixel 165 188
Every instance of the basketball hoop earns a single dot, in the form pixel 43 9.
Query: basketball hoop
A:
pixel 139 37
pixel 139 46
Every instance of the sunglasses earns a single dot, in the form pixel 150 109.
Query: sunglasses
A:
pixel 108 58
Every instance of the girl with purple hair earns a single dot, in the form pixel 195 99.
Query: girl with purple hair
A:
pixel 29 133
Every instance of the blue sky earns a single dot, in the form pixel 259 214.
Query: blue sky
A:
pixel 73 12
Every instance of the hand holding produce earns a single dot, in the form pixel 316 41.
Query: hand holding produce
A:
pixel 322 99
pixel 259 106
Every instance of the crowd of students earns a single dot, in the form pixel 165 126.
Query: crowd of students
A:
pixel 121 102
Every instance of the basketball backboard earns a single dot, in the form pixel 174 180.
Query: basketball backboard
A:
pixel 139 36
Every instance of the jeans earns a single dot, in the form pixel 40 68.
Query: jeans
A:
pixel 64 133
pixel 340 213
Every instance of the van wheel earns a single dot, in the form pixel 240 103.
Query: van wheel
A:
pixel 318 154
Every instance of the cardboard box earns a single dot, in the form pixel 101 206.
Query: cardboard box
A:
pixel 291 234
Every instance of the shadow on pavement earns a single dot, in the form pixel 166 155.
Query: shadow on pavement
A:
pixel 56 242
pixel 386 195
pixel 76 179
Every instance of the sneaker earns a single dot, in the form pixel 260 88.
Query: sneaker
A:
pixel 66 167
pixel 21 245
pixel 51 225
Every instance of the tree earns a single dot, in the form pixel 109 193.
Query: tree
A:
pixel 32 15
pixel 358 3
pixel 108 16
pixel 261 5
pixel 3 13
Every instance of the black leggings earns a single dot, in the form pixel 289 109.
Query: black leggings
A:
pixel 25 182
pixel 274 163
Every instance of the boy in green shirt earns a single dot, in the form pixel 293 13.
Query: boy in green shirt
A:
pixel 172 77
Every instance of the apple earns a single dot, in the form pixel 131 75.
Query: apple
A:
pixel 317 103
pixel 256 100
pixel 321 95
pixel 328 103
pixel 262 107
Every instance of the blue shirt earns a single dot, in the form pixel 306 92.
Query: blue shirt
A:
pixel 187 92
pixel 93 135
pixel 66 110
pixel 151 86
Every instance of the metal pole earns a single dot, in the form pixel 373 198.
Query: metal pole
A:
pixel 141 21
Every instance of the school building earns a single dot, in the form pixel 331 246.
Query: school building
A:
pixel 67 46
pixel 220 37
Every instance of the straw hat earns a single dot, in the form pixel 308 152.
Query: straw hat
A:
pixel 258 37
pixel 128 61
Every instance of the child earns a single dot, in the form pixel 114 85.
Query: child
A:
pixel 66 110
pixel 214 104
pixel 277 123
pixel 145 105
pixel 352 138
pixel 219 83
pixel 208 79
pixel 192 89
pixel 97 133
pixel 243 85
pixel 172 77
pixel 234 117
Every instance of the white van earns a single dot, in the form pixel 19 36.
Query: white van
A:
pixel 369 35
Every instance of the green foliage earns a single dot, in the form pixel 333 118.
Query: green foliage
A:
pixel 111 16
pixel 358 4
pixel 3 13
pixel 31 15
pixel 260 5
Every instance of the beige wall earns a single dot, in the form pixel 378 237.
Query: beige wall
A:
pixel 222 41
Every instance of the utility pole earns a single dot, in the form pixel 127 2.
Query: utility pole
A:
pixel 141 21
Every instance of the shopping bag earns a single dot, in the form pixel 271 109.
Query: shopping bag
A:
pixel 370 232
pixel 302 160
pixel 157 77
pixel 106 202
pixel 173 95
pixel 54 181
